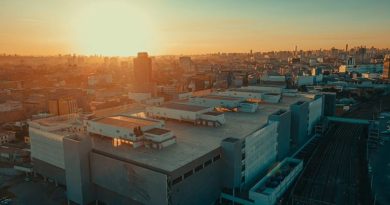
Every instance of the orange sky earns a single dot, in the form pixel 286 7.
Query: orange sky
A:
pixel 124 27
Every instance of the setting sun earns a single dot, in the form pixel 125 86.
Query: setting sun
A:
pixel 195 102
pixel 110 28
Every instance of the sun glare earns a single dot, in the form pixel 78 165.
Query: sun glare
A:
pixel 113 28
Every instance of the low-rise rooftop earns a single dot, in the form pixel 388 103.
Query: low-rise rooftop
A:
pixel 194 142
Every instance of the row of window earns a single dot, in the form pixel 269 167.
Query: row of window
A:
pixel 4 137
pixel 197 169
pixel 243 156
pixel 4 141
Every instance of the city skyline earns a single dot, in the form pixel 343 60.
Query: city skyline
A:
pixel 183 27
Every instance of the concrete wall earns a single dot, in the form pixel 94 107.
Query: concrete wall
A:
pixel 129 180
pixel 315 113
pixel 329 104
pixel 232 156
pixel 79 188
pixel 47 147
pixel 112 198
pixel 284 134
pixel 260 151
pixel 49 171
pixel 202 187
pixel 299 123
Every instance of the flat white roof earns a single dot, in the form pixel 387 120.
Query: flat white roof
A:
pixel 194 142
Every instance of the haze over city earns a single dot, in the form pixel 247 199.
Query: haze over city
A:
pixel 184 102
pixel 121 28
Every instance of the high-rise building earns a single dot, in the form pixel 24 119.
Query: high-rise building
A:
pixel 143 73
pixel 143 68
pixel 386 67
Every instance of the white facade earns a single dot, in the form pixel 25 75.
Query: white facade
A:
pixel 260 150
pixel 46 136
pixel 118 131
pixel 315 112
pixel 47 147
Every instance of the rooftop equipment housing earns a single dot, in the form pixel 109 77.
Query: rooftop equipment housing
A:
pixel 199 115
pixel 132 130
pixel 268 190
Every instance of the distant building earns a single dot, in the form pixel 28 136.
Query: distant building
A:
pixel 63 106
pixel 312 62
pixel 9 106
pixel 185 63
pixel 363 68
pixel 386 68
pixel 350 61
pixel 142 72
pixel 11 84
pixel 274 80
pixel 295 60
pixel 6 136
pixel 143 67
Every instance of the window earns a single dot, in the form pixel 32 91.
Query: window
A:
pixel 198 168
pixel 217 158
pixel 177 180
pixel 207 163
pixel 188 174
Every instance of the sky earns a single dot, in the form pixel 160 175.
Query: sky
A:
pixel 124 27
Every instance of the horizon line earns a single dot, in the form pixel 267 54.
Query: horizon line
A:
pixel 183 54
